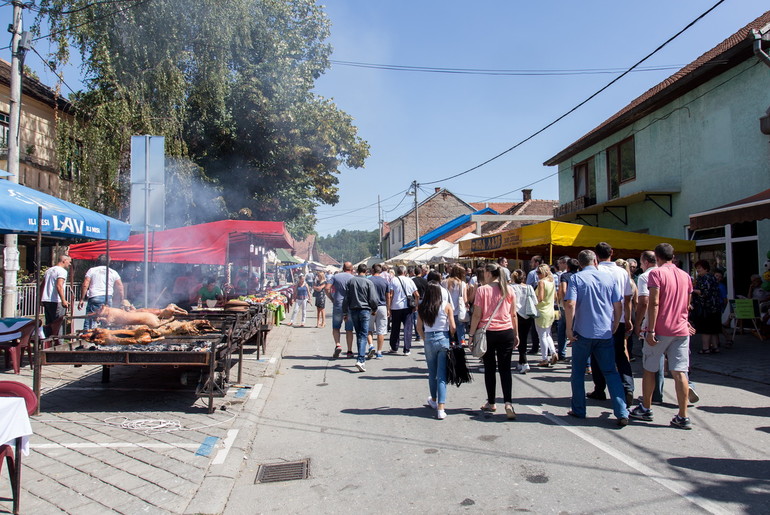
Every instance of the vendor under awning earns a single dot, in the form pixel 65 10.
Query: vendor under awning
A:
pixel 558 238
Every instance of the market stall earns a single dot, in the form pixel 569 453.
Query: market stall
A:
pixel 552 239
pixel 27 211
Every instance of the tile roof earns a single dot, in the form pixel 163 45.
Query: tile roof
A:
pixel 500 207
pixel 729 53
pixel 534 207
pixel 34 88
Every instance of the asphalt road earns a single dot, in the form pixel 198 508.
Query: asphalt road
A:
pixel 374 446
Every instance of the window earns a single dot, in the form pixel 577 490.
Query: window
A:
pixel 5 122
pixel 621 165
pixel 70 169
pixel 585 181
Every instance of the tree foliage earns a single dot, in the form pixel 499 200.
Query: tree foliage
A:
pixel 228 83
pixel 350 246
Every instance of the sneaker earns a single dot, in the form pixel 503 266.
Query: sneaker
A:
pixel 523 369
pixel 407 353
pixel 361 366
pixel 641 413
pixel 681 422
pixel 392 352
pixel 622 422
pixel 378 356
pixel 371 352
pixel 350 354
pixel 693 396
pixel 440 414
pixel 432 403
pixel 337 351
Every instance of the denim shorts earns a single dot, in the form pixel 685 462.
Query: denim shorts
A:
pixel 337 320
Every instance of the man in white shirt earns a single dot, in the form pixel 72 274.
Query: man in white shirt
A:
pixel 607 265
pixel 98 288
pixel 52 294
pixel 401 287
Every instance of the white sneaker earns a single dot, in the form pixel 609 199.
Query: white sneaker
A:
pixel 440 414
pixel 523 369
pixel 361 366
pixel 432 403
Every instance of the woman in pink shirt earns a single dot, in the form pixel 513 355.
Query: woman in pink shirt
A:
pixel 502 334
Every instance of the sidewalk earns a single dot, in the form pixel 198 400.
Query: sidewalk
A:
pixel 748 358
pixel 119 448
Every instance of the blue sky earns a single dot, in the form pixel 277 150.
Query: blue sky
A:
pixel 428 126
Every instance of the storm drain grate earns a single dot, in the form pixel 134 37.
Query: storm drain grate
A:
pixel 274 472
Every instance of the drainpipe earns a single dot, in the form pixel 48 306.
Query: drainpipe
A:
pixel 758 38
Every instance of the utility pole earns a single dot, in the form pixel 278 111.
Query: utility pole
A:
pixel 10 251
pixel 379 223
pixel 416 214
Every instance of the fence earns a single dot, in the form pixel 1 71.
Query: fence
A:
pixel 27 293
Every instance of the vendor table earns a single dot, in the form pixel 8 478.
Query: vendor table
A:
pixel 15 430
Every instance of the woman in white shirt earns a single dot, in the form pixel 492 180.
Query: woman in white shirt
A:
pixel 458 296
pixel 435 322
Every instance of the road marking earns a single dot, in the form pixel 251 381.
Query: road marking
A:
pixel 228 443
pixel 255 391
pixel 114 445
pixel 640 467
pixel 207 446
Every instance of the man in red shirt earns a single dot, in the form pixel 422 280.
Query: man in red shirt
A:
pixel 668 332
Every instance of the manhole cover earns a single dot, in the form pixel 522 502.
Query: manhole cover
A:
pixel 274 472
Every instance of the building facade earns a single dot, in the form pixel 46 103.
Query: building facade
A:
pixel 689 144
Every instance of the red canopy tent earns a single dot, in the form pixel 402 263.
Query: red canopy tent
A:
pixel 203 244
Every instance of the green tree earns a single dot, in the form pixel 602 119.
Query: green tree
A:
pixel 228 83
pixel 350 246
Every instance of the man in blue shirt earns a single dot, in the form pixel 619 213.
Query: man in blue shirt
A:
pixel 593 307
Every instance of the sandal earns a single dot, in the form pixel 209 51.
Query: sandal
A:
pixel 509 412
pixel 715 350
pixel 491 408
pixel 704 351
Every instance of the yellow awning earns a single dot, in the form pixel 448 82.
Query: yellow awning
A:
pixel 554 238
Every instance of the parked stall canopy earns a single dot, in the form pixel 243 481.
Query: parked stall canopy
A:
pixel 552 239
pixel 203 244
pixel 19 209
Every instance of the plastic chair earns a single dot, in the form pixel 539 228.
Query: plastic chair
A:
pixel 14 347
pixel 15 389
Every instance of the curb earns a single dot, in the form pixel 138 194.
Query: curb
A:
pixel 214 491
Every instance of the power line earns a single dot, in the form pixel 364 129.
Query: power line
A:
pixel 359 208
pixel 500 72
pixel 581 104
pixel 98 18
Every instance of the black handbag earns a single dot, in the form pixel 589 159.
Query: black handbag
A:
pixel 457 371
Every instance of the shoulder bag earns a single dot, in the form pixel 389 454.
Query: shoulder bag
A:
pixel 480 336
pixel 530 303
pixel 410 302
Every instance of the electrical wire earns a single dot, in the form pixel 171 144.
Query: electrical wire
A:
pixel 500 72
pixel 357 209
pixel 581 104
pixel 98 18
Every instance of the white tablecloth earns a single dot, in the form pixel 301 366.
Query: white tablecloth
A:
pixel 14 422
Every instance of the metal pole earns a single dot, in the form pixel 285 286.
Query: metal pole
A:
pixel 146 218
pixel 38 358
pixel 416 214
pixel 379 223
pixel 11 252
pixel 107 272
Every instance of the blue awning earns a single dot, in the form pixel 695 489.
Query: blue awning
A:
pixel 18 214
pixel 451 225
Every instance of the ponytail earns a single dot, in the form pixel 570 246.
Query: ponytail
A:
pixel 496 272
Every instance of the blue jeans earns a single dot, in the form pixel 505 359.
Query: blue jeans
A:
pixel 95 304
pixel 561 335
pixel 460 334
pixel 337 316
pixel 360 318
pixel 604 359
pixel 436 347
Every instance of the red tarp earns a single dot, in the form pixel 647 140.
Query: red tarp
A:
pixel 204 244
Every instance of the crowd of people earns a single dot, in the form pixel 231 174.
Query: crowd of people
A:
pixel 595 304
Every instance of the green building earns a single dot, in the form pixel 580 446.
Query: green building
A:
pixel 671 161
